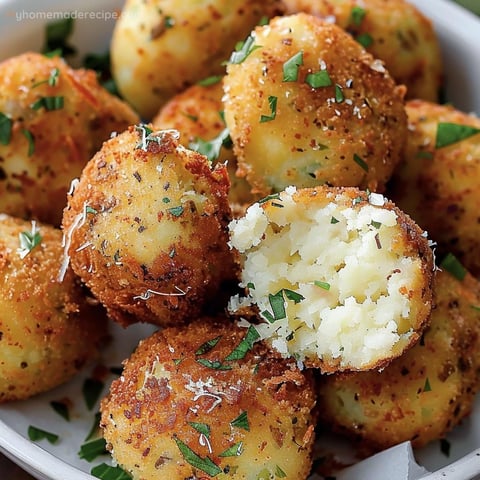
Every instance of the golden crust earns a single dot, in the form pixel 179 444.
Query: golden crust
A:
pixel 422 395
pixel 317 136
pixel 35 184
pixel 438 187
pixel 394 31
pixel 48 329
pixel 146 228
pixel 160 48
pixel 166 395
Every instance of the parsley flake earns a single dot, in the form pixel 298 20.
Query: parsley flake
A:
pixel 61 408
pixel 176 211
pixel 244 346
pixel 91 390
pixel 107 472
pixel 364 39
pixel 212 80
pixel 233 451
pixel 31 141
pixel 357 15
pixel 318 79
pixel 29 240
pixel 339 97
pixel 208 345
pixel 324 285
pixel 360 162
pixel 241 421
pixel 5 129
pixel 35 434
pixel 449 133
pixel 204 464
pixel 333 221
pixel 201 428
pixel 57 34
pixel 279 473
pixel 213 364
pixel 91 450
pixel 272 103
pixel 243 50
pixel 55 102
pixel 211 148
pixel 427 387
pixel 453 266
pixel 290 67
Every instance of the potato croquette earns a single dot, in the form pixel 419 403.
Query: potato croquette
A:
pixel 306 105
pixel 207 400
pixel 341 279
pixel 394 31
pixel 423 394
pixel 58 117
pixel 48 330
pixel 161 47
pixel 146 228
pixel 197 114
pixel 437 184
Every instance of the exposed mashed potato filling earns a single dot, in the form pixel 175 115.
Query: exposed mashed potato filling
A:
pixel 340 278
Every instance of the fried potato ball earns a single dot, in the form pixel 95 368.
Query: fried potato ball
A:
pixel 423 394
pixel 394 31
pixel 197 114
pixel 341 279
pixel 309 106
pixel 161 47
pixel 146 228
pixel 205 401
pixel 48 329
pixel 58 117
pixel 437 183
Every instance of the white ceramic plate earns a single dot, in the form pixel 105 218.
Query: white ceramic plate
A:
pixel 22 27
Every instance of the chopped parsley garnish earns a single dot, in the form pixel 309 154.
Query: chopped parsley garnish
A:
pixel 318 79
pixel 208 345
pixel 91 389
pixel 424 154
pixel 272 103
pixel 91 450
pixel 427 387
pixel 279 473
pixel 339 97
pixel 212 80
pixel 211 148
pixel 277 303
pixel 169 21
pixel 51 80
pixel 204 464
pixel 241 421
pixel 324 285
pixel 35 434
pixel 364 39
pixel 55 102
pixel 244 346
pixel 29 240
pixel 475 307
pixel 357 15
pixel 57 34
pixel 449 133
pixel 333 221
pixel 5 129
pixel 95 428
pixel 375 224
pixel 100 62
pixel 290 67
pixel 360 162
pixel 233 451
pixel 453 266
pixel 61 408
pixel 251 286
pixel 31 141
pixel 176 211
pixel 213 364
pixel 263 21
pixel 89 209
pixel 272 196
pixel 107 472
pixel 202 428
pixel 243 50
